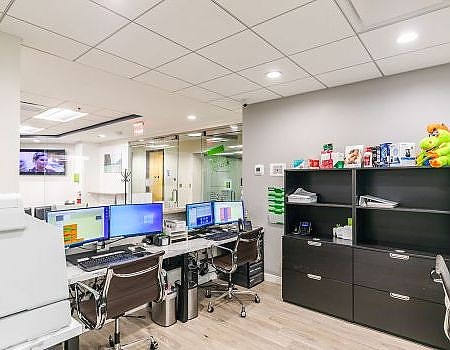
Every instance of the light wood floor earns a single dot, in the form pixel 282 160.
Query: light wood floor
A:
pixel 272 324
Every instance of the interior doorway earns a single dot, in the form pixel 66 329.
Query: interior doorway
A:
pixel 155 174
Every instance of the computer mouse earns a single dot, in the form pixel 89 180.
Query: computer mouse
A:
pixel 132 248
pixel 139 255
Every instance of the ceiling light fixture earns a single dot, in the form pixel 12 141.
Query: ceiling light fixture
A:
pixel 195 134
pixel 26 129
pixel 101 135
pixel 234 127
pixel 273 75
pixel 191 117
pixel 36 140
pixel 407 37
pixel 60 115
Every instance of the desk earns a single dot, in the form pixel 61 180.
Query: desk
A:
pixel 183 248
pixel 68 335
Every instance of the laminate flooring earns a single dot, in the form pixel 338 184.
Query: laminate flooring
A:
pixel 271 324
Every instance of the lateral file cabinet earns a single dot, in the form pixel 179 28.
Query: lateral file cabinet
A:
pixel 318 275
pixel 381 278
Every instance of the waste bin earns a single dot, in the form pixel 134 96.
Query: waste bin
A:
pixel 191 309
pixel 163 313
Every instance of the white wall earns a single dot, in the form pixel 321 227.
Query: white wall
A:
pixel 9 111
pixel 395 108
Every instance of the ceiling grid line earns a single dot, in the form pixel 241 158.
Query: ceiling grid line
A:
pixel 359 38
pixel 5 11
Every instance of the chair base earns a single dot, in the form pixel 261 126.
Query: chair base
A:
pixel 115 344
pixel 230 292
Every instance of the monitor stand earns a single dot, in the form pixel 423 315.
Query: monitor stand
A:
pixel 102 247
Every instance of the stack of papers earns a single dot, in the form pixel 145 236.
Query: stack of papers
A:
pixel 302 196
pixel 375 202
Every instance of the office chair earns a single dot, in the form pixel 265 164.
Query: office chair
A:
pixel 247 249
pixel 442 270
pixel 127 285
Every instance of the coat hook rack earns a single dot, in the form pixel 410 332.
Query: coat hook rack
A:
pixel 126 177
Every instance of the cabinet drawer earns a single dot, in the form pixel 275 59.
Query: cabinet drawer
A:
pixel 400 272
pixel 319 258
pixel 412 318
pixel 256 269
pixel 318 293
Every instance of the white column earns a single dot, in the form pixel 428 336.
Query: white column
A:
pixel 9 112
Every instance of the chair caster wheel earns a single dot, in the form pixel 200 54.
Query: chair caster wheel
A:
pixel 257 300
pixel 208 293
pixel 210 308
pixel 243 313
pixel 111 342
pixel 153 344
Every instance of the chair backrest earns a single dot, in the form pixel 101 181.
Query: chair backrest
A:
pixel 248 246
pixel 132 284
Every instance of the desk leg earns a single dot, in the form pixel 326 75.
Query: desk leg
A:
pixel 183 292
pixel 72 344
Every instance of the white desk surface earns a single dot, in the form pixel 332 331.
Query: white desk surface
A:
pixel 75 274
pixel 74 329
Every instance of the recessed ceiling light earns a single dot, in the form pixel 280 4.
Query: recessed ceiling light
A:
pixel 195 134
pixel 141 140
pixel 273 75
pixel 101 135
pixel 26 129
pixel 407 37
pixel 234 127
pixel 60 115
pixel 36 140
pixel 191 117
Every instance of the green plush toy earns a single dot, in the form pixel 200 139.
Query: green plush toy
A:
pixel 436 147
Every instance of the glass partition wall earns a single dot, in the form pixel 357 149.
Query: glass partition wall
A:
pixel 188 168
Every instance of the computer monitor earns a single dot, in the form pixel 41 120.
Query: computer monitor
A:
pixel 135 219
pixel 81 225
pixel 199 215
pixel 41 212
pixel 228 212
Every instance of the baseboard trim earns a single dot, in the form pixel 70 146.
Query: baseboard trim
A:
pixel 272 278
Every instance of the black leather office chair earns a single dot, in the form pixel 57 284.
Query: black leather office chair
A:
pixel 247 249
pixel 444 278
pixel 127 286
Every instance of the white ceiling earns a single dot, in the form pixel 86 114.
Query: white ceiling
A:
pixel 212 55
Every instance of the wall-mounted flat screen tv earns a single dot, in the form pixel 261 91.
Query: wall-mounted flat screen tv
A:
pixel 42 162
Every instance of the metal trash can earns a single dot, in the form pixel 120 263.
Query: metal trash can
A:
pixel 164 312
pixel 192 300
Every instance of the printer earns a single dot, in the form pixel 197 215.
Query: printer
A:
pixel 34 293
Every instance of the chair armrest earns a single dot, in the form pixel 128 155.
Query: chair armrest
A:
pixel 80 285
pixel 100 305
pixel 233 258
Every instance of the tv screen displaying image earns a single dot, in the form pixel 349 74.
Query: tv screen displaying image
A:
pixel 42 162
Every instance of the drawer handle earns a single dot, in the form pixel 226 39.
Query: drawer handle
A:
pixel 399 296
pixel 435 277
pixel 315 244
pixel 399 256
pixel 314 277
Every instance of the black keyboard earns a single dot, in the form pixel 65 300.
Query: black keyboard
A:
pixel 103 261
pixel 222 235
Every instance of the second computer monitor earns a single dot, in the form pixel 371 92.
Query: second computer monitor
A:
pixel 82 225
pixel 228 212
pixel 199 215
pixel 135 219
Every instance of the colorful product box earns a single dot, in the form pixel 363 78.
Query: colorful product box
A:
pixel 402 154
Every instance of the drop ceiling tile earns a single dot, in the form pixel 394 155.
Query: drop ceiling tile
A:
pixel 375 12
pixel 81 20
pixel 162 81
pixel 3 4
pixel 432 29
pixel 192 23
pixel 227 103
pixel 110 114
pixel 416 60
pixel 138 44
pixel 241 51
pixel 230 85
pixel 255 96
pixel 289 71
pixel 194 68
pixel 199 94
pixel 354 74
pixel 309 26
pixel 252 12
pixel 129 9
pixel 42 39
pixel 113 64
pixel 30 97
pixel 297 87
pixel 82 107
pixel 339 54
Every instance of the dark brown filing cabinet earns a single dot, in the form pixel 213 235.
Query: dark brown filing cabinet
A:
pixel 381 278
